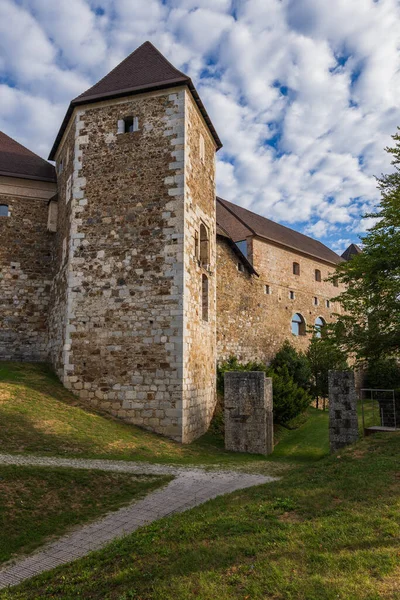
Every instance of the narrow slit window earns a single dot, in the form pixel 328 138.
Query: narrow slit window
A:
pixel 317 275
pixel 204 297
pixel 196 245
pixel 328 303
pixel 202 148
pixel 296 268
pixel 267 289
pixel 3 210
pixel 316 301
pixel 204 246
pixel 292 295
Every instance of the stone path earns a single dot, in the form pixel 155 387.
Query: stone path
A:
pixel 190 487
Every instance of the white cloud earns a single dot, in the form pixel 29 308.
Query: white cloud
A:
pixel 303 95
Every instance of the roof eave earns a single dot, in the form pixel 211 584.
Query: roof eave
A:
pixel 131 92
pixel 24 176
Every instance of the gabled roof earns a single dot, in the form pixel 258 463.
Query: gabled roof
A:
pixel 351 251
pixel 18 161
pixel 241 223
pixel 144 70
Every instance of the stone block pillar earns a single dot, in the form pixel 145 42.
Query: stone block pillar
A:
pixel 343 421
pixel 248 412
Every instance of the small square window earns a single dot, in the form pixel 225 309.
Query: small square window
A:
pixel 267 289
pixel 3 210
pixel 128 125
pixel 291 295
pixel 240 267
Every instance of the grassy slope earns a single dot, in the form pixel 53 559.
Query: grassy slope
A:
pixel 38 415
pixel 36 503
pixel 326 531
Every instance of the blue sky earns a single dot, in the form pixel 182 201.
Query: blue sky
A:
pixel 303 93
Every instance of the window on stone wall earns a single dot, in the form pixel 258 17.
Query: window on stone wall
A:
pixel 328 303
pixel 335 282
pixel 317 275
pixel 319 325
pixel 267 289
pixel 60 167
pixel 3 210
pixel 316 301
pixel 296 268
pixel 196 245
pixel 240 267
pixel 292 295
pixel 204 297
pixel 202 148
pixel 204 246
pixel 298 324
pixel 128 125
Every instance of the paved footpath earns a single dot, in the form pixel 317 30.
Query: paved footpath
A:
pixel 190 487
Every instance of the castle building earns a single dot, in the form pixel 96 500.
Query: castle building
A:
pixel 121 268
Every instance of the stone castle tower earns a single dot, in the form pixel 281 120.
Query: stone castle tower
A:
pixel 132 316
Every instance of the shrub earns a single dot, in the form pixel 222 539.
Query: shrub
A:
pixel 290 400
pixel 297 365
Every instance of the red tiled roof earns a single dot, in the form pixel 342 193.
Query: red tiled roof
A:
pixel 18 161
pixel 240 223
pixel 144 70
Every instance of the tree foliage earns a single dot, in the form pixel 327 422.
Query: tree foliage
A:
pixel 323 355
pixel 296 362
pixel 370 327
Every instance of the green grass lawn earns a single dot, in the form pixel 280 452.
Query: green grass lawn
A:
pixel 326 531
pixel 38 415
pixel 38 503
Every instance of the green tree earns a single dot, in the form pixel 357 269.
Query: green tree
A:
pixel 323 355
pixel 370 327
pixel 296 362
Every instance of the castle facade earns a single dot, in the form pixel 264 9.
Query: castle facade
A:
pixel 121 267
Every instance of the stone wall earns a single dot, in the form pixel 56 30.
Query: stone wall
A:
pixel 127 331
pixel 62 249
pixel 25 269
pixel 343 420
pixel 253 324
pixel 199 333
pixel 248 412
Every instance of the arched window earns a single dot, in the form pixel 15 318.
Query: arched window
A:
pixel 204 297
pixel 298 324
pixel 319 325
pixel 204 245
pixel 3 210
pixel 296 268
pixel 317 275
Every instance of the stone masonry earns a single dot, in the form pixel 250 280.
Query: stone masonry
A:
pixel 25 269
pixel 248 412
pixel 128 335
pixel 253 324
pixel 343 421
